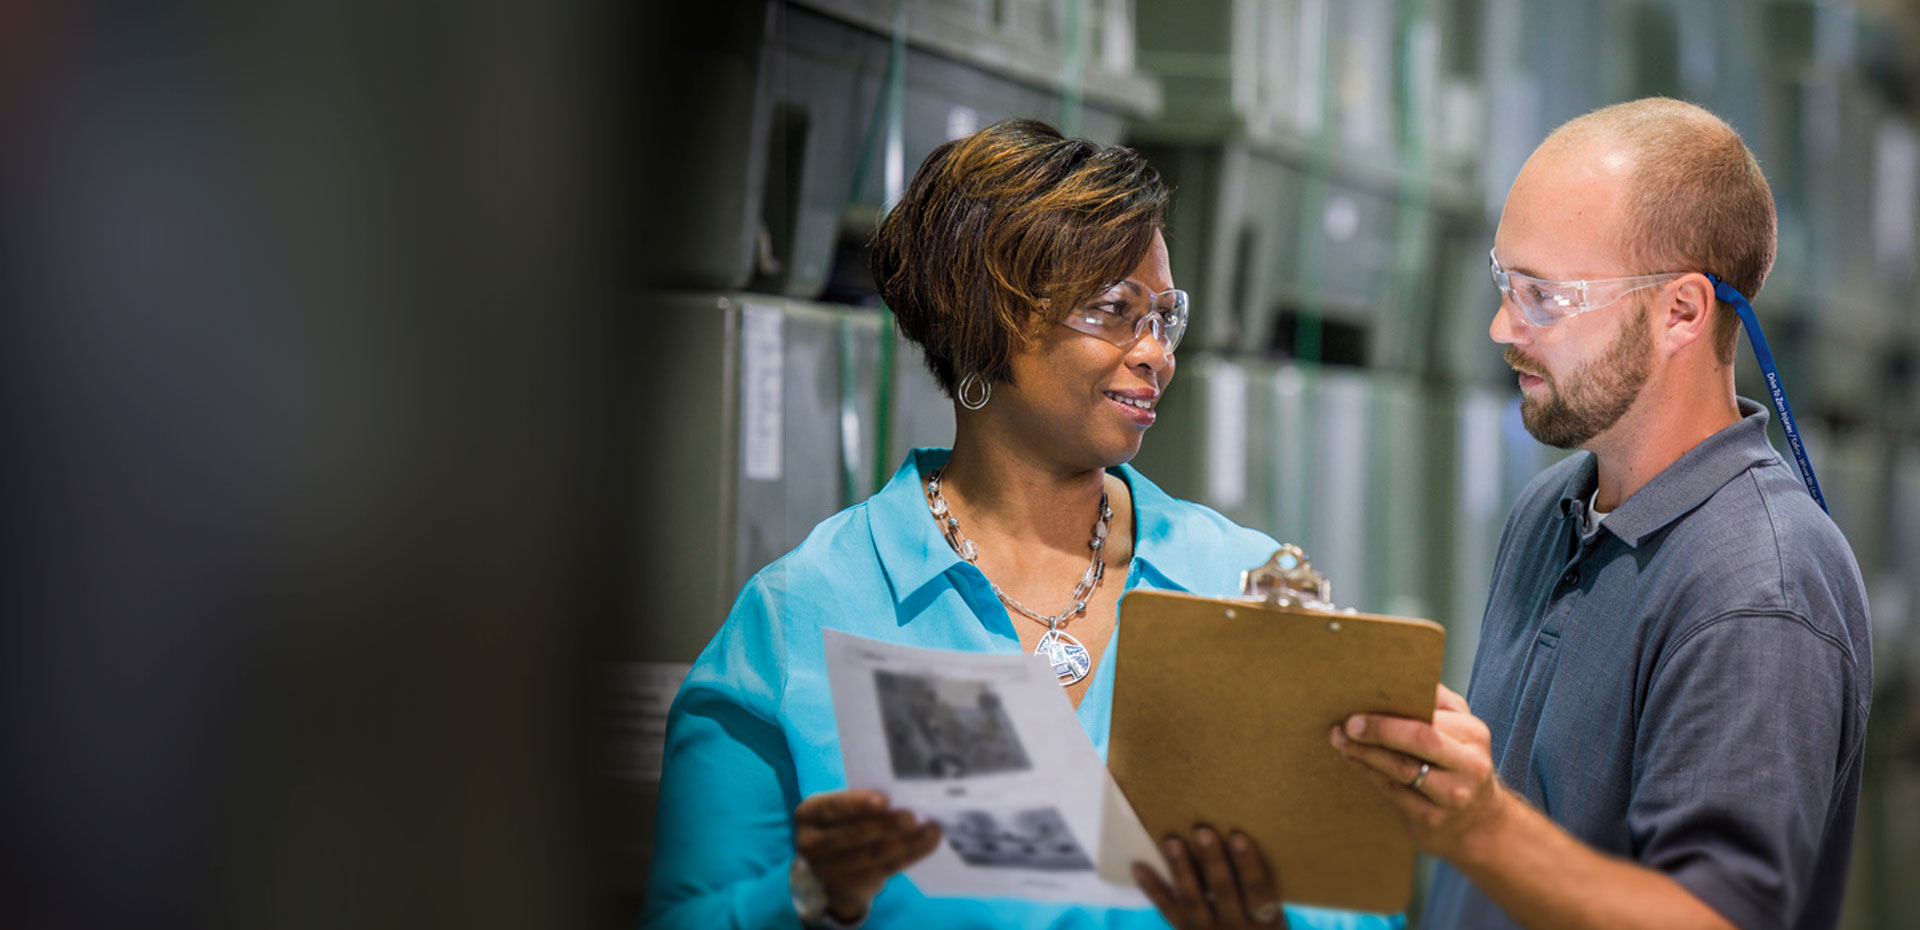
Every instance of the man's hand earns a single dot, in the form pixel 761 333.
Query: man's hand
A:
pixel 1440 776
pixel 853 842
pixel 1216 885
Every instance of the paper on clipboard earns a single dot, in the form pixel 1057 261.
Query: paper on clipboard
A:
pixel 989 746
pixel 1221 714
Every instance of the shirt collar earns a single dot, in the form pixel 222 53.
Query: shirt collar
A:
pixel 914 553
pixel 1153 511
pixel 1683 485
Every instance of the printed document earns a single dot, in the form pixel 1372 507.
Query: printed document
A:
pixel 987 745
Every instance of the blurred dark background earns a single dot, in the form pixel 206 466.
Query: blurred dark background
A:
pixel 310 357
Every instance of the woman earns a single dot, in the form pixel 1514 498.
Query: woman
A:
pixel 1031 271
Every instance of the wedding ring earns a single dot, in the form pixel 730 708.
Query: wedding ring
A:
pixel 1420 778
pixel 1266 913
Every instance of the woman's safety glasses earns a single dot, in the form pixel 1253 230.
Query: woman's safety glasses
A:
pixel 1544 303
pixel 1127 310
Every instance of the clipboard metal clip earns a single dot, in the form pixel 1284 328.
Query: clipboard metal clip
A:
pixel 1287 579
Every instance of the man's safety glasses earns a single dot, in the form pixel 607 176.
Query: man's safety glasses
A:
pixel 1127 310
pixel 1544 303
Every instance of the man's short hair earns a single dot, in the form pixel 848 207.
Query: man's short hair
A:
pixel 997 222
pixel 1696 201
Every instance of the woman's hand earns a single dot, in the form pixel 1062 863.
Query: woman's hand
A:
pixel 1216 884
pixel 853 842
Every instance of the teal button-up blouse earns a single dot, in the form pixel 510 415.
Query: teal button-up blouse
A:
pixel 752 730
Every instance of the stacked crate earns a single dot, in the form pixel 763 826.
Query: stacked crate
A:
pixel 1320 170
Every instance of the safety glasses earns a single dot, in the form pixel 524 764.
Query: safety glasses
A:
pixel 1126 311
pixel 1544 303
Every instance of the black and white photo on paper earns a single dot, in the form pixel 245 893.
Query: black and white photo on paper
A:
pixel 988 746
pixel 1036 838
pixel 940 727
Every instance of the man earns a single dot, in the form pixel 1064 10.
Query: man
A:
pixel 1674 669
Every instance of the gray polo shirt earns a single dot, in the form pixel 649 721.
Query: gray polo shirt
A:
pixel 1687 687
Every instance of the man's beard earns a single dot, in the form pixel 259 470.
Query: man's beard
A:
pixel 1595 397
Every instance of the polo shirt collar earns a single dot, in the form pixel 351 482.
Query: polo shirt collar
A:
pixel 1683 485
pixel 913 553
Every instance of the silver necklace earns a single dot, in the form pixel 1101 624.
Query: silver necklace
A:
pixel 1070 660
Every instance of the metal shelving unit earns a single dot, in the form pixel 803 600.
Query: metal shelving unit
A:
pixel 1339 166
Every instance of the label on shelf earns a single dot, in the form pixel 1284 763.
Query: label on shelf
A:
pixel 1226 435
pixel 762 401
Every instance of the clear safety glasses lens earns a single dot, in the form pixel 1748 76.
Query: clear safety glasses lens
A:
pixel 1541 303
pixel 1126 312
pixel 1544 303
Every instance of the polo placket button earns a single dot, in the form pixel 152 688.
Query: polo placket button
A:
pixel 1571 578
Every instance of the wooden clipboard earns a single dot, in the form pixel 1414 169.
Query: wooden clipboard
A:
pixel 1221 712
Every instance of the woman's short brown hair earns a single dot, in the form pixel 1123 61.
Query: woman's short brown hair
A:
pixel 997 222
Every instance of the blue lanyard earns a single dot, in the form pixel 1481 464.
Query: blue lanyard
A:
pixel 1733 298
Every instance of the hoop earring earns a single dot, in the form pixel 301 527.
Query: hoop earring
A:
pixel 969 385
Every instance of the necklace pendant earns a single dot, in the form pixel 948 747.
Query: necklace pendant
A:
pixel 1070 660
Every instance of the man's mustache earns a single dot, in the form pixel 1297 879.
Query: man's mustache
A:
pixel 1522 363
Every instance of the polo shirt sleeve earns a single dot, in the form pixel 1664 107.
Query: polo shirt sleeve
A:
pixel 723 840
pixel 1736 762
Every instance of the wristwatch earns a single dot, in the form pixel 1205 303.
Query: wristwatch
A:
pixel 810 899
